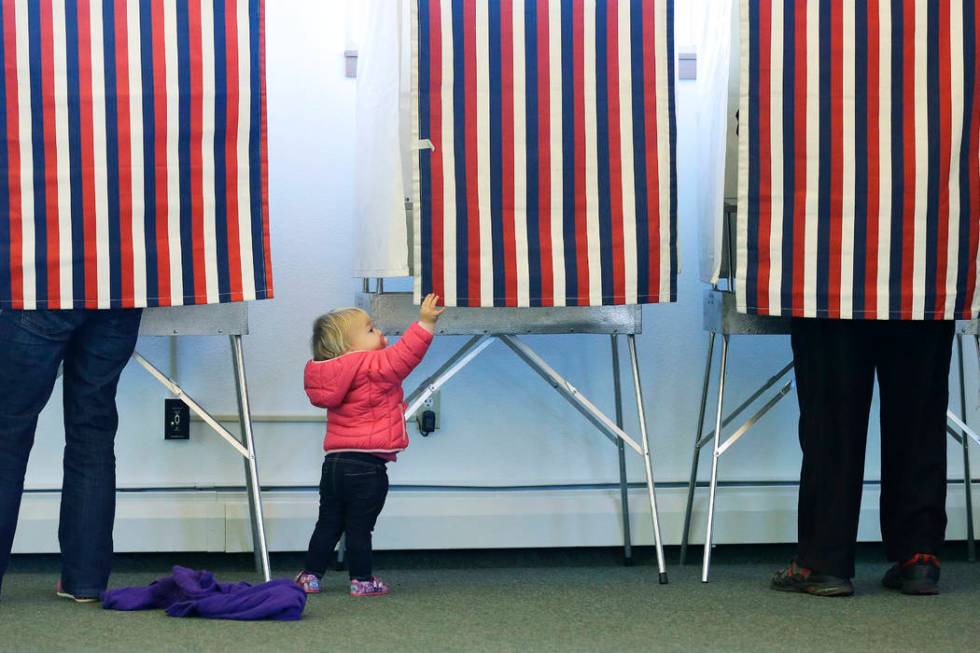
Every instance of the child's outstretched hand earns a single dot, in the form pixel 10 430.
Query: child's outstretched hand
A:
pixel 430 311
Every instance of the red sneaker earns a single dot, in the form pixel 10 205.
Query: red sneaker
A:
pixel 917 576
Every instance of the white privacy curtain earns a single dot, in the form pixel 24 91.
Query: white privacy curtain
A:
pixel 717 100
pixel 383 168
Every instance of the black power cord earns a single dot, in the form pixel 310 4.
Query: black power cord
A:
pixel 426 422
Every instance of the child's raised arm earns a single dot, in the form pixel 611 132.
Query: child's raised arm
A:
pixel 405 355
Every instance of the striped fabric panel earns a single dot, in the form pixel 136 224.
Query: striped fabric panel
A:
pixel 552 178
pixel 135 166
pixel 859 162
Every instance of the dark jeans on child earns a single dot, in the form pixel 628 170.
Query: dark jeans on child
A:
pixel 353 489
pixel 836 363
pixel 94 347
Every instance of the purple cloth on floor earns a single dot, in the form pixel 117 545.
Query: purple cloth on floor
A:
pixel 190 593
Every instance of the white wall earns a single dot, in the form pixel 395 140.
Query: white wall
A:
pixel 501 426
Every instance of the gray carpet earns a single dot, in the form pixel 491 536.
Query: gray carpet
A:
pixel 565 600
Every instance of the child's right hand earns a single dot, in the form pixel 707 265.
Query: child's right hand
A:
pixel 430 311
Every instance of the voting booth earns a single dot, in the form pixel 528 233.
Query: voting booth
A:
pixel 851 186
pixel 525 172
pixel 134 172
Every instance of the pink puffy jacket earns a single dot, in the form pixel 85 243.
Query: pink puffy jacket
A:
pixel 362 392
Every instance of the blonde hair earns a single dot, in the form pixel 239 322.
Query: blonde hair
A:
pixel 330 332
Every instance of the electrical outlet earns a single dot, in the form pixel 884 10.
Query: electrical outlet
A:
pixel 177 420
pixel 432 403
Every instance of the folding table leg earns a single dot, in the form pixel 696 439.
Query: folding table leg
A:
pixel 251 469
pixel 621 448
pixel 605 425
pixel 696 458
pixel 713 487
pixel 647 463
pixel 971 552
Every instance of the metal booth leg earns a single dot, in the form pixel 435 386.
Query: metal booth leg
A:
pixel 623 480
pixel 696 458
pixel 715 453
pixel 605 425
pixel 971 553
pixel 968 478
pixel 251 470
pixel 647 464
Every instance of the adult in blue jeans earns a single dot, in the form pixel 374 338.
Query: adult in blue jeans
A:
pixel 94 346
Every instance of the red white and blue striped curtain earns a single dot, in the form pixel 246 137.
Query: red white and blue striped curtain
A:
pixel 551 178
pixel 133 166
pixel 859 172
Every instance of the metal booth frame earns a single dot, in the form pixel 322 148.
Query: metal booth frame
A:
pixel 231 321
pixel 392 311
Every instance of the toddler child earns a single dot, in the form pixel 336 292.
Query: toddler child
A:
pixel 358 379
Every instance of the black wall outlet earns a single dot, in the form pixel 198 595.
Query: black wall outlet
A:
pixel 177 420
